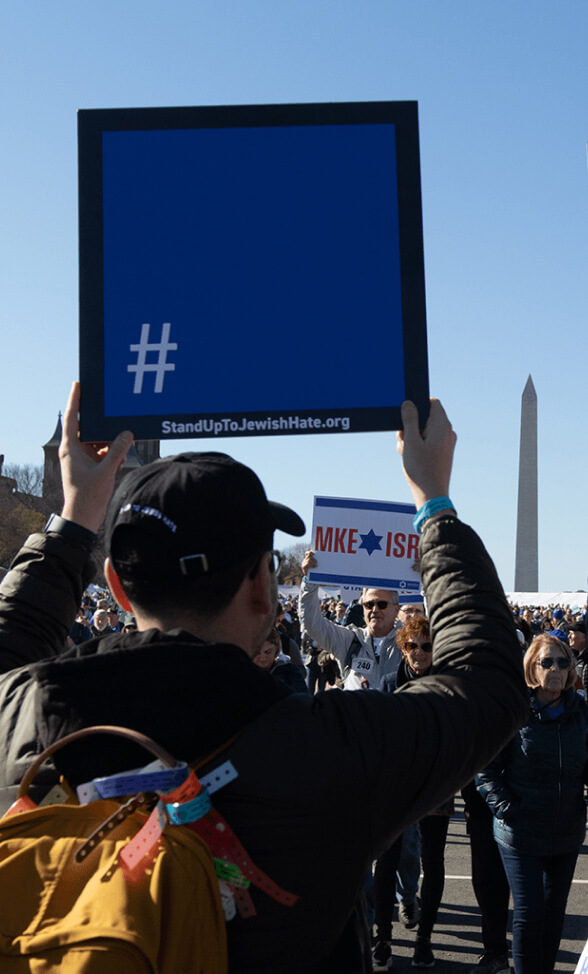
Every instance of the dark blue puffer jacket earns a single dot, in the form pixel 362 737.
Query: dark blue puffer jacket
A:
pixel 534 787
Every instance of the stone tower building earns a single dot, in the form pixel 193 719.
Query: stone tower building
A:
pixel 52 491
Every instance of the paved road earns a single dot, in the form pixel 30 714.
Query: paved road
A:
pixel 456 938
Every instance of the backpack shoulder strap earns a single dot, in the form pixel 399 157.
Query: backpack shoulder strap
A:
pixel 351 652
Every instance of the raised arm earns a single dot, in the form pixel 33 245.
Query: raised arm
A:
pixel 41 594
pixel 427 457
pixel 431 737
pixel 328 635
pixel 88 470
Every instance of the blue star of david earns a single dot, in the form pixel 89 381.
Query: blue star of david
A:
pixel 371 541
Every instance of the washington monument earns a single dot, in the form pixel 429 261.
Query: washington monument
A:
pixel 526 558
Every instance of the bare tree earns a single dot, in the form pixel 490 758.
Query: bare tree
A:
pixel 291 570
pixel 29 478
pixel 16 523
pixel 29 488
pixel 23 508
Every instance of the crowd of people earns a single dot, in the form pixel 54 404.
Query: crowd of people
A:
pixel 309 659
pixel 527 831
pixel 192 647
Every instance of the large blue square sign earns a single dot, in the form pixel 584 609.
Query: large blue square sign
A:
pixel 250 270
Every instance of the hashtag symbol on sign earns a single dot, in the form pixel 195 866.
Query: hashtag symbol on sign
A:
pixel 161 366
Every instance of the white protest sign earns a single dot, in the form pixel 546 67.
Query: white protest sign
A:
pixel 365 543
pixel 351 592
pixel 582 965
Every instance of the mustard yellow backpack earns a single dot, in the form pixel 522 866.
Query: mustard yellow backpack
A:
pixel 111 886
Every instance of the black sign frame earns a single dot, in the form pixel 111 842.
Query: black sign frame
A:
pixel 96 426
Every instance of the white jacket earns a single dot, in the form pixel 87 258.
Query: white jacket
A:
pixel 352 646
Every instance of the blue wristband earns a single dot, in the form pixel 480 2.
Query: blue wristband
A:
pixel 179 813
pixel 428 509
pixel 131 782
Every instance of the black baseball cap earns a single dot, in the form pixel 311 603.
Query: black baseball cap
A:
pixel 203 512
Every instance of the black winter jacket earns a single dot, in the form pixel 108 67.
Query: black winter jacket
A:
pixel 308 767
pixel 535 787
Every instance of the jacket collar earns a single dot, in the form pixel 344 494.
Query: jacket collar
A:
pixel 188 695
pixel 570 701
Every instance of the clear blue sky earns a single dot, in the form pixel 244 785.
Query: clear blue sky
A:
pixel 503 101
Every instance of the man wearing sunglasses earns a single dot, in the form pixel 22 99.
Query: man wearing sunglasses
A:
pixel 409 611
pixel 366 654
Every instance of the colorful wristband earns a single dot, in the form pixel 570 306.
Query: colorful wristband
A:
pixel 428 509
pixel 180 813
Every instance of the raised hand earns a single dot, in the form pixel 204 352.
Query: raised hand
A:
pixel 308 562
pixel 428 456
pixel 88 470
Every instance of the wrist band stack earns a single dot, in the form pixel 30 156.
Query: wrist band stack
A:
pixel 428 509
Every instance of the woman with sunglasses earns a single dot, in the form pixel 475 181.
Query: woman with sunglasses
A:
pixel 414 642
pixel 535 790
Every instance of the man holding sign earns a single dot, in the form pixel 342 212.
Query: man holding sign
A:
pixel 204 598
pixel 365 654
